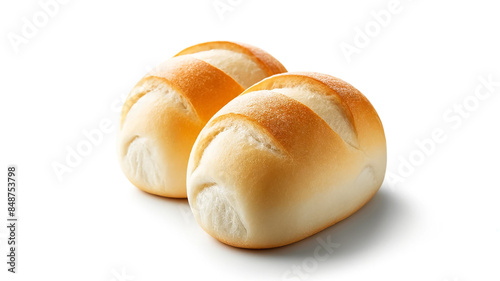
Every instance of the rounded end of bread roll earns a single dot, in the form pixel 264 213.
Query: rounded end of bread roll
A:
pixel 167 108
pixel 292 155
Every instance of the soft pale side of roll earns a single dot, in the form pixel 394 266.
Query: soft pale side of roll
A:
pixel 166 110
pixel 291 156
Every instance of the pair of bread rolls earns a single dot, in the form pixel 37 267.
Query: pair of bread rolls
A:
pixel 290 156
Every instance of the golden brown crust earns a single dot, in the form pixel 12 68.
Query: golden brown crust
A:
pixel 359 110
pixel 265 60
pixel 206 87
pixel 366 120
pixel 288 121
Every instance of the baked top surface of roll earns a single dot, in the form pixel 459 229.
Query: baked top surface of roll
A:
pixel 267 62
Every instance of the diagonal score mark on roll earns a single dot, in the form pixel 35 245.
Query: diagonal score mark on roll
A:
pixel 320 156
pixel 166 110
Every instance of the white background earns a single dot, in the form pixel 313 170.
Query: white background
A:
pixel 436 220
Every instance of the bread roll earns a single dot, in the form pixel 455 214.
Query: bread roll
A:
pixel 292 155
pixel 166 110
